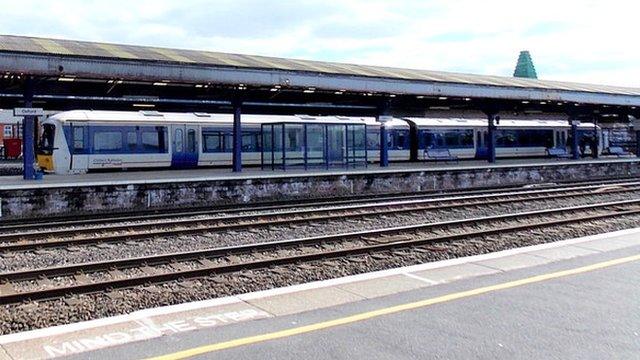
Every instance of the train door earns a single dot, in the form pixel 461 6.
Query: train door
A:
pixel 335 143
pixel 185 146
pixel 482 152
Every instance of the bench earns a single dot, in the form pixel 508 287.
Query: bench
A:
pixel 618 151
pixel 558 153
pixel 439 154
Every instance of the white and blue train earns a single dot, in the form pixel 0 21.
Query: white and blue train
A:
pixel 79 141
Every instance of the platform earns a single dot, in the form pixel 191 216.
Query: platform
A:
pixel 95 193
pixel 255 173
pixel 570 299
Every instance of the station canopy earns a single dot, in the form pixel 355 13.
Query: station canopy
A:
pixel 73 72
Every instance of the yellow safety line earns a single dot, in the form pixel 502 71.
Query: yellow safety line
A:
pixel 389 310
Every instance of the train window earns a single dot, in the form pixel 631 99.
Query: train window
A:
pixel 315 137
pixel 212 142
pixel 78 139
pixel 132 140
pixel 191 141
pixel 251 141
pixel 506 138
pixel 293 140
pixel 154 142
pixel 228 142
pixel 373 140
pixel 107 141
pixel 400 141
pixel 178 140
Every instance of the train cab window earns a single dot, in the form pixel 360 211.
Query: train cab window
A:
pixel 78 139
pixel 132 140
pixel 191 141
pixel 8 131
pixel 178 140
pixel 47 138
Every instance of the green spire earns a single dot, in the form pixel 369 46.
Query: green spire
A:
pixel 525 68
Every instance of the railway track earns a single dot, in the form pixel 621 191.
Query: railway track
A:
pixel 34 240
pixel 167 214
pixel 57 282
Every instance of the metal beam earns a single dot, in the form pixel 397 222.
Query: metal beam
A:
pixel 55 65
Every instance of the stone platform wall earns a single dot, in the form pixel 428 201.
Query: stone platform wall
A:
pixel 67 201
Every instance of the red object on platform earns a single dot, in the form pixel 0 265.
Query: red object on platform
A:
pixel 12 148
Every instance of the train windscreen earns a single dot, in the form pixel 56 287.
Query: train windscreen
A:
pixel 45 145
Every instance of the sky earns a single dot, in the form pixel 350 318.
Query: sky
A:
pixel 582 41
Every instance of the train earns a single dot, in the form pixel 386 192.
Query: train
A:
pixel 80 141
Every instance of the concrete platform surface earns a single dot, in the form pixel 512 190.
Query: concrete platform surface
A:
pixel 521 303
pixel 248 173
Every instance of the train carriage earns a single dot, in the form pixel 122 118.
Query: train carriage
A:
pixel 80 141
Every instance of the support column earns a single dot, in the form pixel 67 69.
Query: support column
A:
pixel 28 130
pixel 637 142
pixel 384 145
pixel 491 135
pixel 237 136
pixel 596 139
pixel 575 153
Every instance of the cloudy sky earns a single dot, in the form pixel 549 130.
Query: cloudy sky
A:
pixel 584 41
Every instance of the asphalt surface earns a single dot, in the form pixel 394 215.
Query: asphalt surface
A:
pixel 591 315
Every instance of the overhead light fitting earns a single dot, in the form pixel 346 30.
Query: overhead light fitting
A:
pixel 66 79
pixel 442 98
pixel 144 105
pixel 392 95
pixel 159 84
pixel 338 92
pixel 525 101
pixel 199 85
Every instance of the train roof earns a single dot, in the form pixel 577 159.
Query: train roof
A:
pixel 155 117
pixel 458 122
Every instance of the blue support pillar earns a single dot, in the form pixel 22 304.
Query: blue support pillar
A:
pixel 28 131
pixel 491 141
pixel 575 153
pixel 237 136
pixel 383 110
pixel 384 146
pixel 637 143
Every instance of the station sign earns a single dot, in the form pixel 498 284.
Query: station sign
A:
pixel 28 112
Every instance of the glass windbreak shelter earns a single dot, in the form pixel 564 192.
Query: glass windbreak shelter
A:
pixel 313 145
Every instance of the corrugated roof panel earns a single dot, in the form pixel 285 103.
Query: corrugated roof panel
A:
pixel 130 52
pixel 53 47
pixel 117 51
pixel 172 55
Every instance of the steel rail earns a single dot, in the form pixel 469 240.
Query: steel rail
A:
pixel 82 288
pixel 17 241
